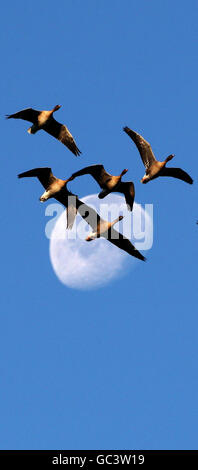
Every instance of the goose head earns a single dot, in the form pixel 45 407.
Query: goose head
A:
pixel 57 107
pixel 169 158
pixel 116 220
pixel 124 172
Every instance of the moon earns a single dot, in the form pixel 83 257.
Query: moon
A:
pixel 89 265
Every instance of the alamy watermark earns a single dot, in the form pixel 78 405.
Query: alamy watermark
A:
pixel 136 225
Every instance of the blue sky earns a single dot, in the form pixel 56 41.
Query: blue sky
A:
pixel 115 367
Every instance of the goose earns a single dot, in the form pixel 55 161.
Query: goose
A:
pixel 109 183
pixel 56 188
pixel 45 120
pixel 102 228
pixel 154 168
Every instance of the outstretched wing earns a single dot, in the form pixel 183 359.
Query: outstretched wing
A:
pixel 123 243
pixel 71 212
pixel 143 146
pixel 128 189
pixel 44 175
pixel 96 171
pixel 27 114
pixel 68 200
pixel 88 214
pixel 177 173
pixel 61 132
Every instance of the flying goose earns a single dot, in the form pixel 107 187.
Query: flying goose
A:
pixel 109 183
pixel 102 228
pixel 45 120
pixel 57 188
pixel 154 168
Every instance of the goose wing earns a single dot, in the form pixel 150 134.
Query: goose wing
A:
pixel 143 146
pixel 123 243
pixel 69 201
pixel 96 171
pixel 89 214
pixel 44 175
pixel 177 173
pixel 61 132
pixel 128 189
pixel 71 212
pixel 27 114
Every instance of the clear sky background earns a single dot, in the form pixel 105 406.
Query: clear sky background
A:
pixel 115 367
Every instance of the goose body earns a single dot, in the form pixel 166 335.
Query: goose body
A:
pixel 155 168
pixel 56 188
pixel 45 120
pixel 102 228
pixel 109 183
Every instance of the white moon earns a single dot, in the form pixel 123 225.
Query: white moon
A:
pixel 86 265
